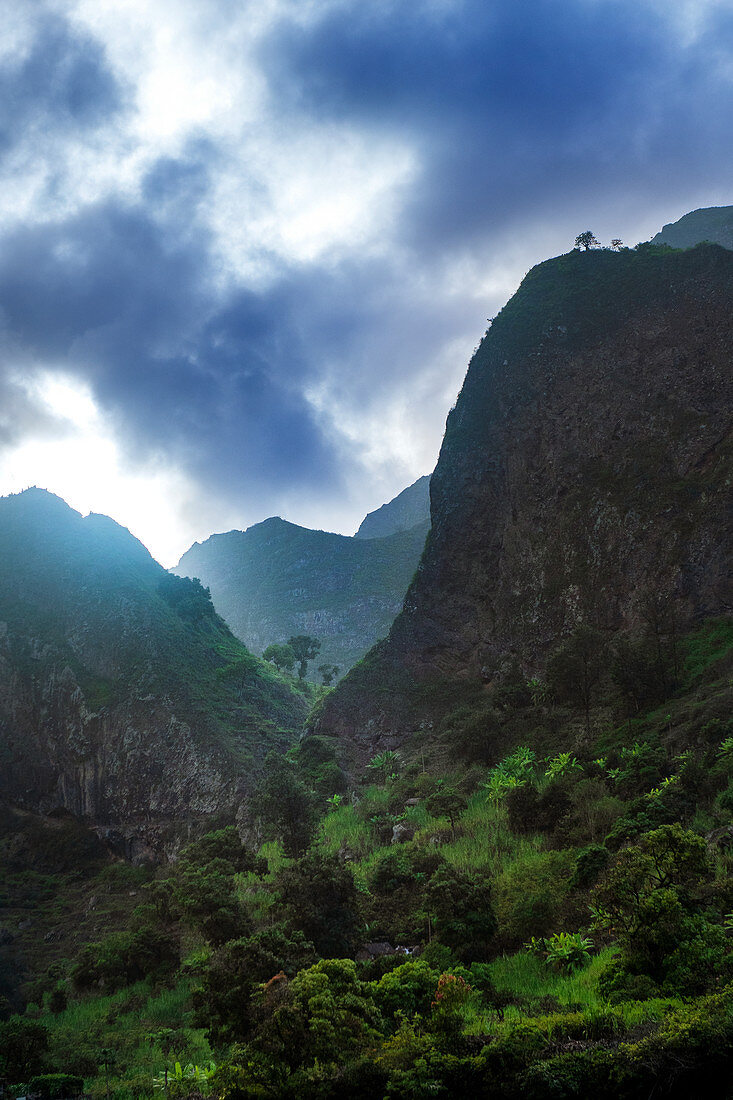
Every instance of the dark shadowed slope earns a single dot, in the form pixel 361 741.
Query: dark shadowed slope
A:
pixel 585 468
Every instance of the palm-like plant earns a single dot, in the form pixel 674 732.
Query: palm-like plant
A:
pixel 568 951
pixel 386 762
pixel 562 764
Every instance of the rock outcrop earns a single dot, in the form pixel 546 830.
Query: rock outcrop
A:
pixel 586 465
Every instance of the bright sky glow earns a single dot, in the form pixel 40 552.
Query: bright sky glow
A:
pixel 84 466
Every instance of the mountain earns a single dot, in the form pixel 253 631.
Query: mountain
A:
pixel 584 477
pixel 712 223
pixel 409 508
pixel 276 579
pixel 124 698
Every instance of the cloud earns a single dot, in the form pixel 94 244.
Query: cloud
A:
pixel 266 237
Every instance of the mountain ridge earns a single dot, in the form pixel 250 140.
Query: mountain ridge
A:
pixel 277 579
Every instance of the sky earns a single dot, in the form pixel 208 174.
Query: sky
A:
pixel 247 249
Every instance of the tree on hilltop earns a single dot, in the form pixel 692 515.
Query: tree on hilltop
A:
pixel 587 240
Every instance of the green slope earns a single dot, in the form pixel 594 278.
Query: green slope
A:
pixel 122 692
pixel 276 580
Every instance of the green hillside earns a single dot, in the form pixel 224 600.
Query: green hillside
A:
pixel 122 692
pixel 276 580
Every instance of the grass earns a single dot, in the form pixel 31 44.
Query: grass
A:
pixel 484 842
pixel 343 828
pixel 706 646
pixel 127 1022
pixel 531 978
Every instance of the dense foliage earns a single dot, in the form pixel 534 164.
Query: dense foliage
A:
pixel 548 918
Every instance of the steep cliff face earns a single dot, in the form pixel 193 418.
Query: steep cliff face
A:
pixel 276 580
pixel 409 508
pixel 123 697
pixel 587 464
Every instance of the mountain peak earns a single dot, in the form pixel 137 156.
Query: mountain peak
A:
pixel 406 510
pixel 710 223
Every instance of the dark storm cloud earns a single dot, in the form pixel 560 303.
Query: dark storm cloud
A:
pixel 119 302
pixel 518 115
pixel 62 83
pixel 516 108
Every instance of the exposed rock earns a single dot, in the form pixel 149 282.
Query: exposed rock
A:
pixel 585 466
pixel 402 832
pixel 374 951
pixel 720 838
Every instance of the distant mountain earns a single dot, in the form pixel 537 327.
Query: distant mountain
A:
pixel 277 579
pixel 410 507
pixel 124 698
pixel 712 223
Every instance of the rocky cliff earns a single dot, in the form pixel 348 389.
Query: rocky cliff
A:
pixel 409 508
pixel 123 697
pixel 276 579
pixel 586 465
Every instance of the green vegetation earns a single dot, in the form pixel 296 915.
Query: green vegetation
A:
pixel 276 580
pixel 529 896
pixel 567 909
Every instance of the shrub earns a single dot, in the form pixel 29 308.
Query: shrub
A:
pixel 55 1086
pixel 408 989
pixel 126 957
pixel 529 895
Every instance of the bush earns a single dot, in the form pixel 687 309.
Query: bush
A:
pixel 529 895
pixel 23 1048
pixel 590 862
pixel 126 957
pixel 55 1086
pixel 408 989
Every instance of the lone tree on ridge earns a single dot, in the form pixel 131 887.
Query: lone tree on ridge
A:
pixel 587 240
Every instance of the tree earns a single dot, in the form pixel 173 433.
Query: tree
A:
pixel 223 1001
pixel 616 244
pixel 284 804
pixel 305 648
pixel 281 656
pixel 461 910
pixel 447 802
pixel 23 1048
pixel 321 901
pixel 647 897
pixel 575 669
pixel 587 240
pixel 328 673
